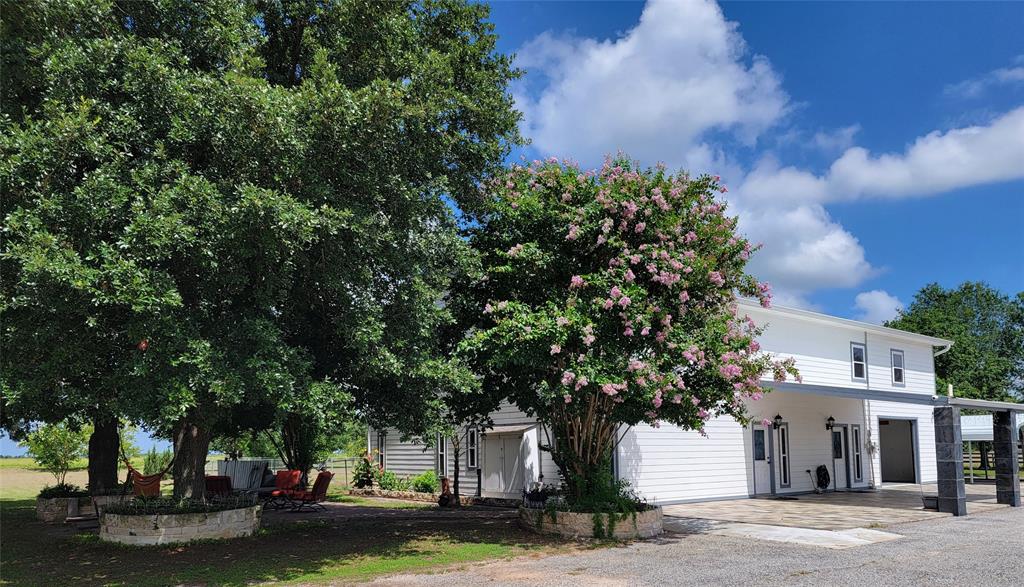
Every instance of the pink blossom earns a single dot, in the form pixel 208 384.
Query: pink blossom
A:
pixel 609 303
pixel 645 331
pixel 766 422
pixel 581 383
pixel 568 399
pixel 573 232
pixel 628 331
pixel 635 365
pixel 589 339
pixel 562 321
pixel 695 401
pixel 716 278
pixel 555 349
pixel 515 250
pixel 634 259
pixel 657 401
pixel 677 398
pixel 576 282
pixel 684 296
pixel 567 377
pixel 488 308
pixel 630 276
pixel 625 301
pixel 640 226
pixel 690 237
pixel 615 292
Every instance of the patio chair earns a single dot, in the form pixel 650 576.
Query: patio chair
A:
pixel 285 482
pixel 312 499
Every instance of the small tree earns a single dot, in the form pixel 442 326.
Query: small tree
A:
pixel 609 299
pixel 56 447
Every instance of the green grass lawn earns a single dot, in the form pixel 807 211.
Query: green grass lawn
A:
pixel 980 473
pixel 308 551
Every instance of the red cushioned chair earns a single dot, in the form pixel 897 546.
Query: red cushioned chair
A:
pixel 285 482
pixel 312 499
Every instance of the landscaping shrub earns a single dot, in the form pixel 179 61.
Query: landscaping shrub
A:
pixel 62 490
pixel 426 482
pixel 389 481
pixel 365 472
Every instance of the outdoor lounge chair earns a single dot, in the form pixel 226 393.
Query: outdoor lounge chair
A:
pixel 285 482
pixel 312 499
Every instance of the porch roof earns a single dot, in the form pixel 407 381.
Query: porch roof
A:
pixel 854 393
pixel 894 396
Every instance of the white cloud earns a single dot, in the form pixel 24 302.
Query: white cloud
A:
pixel 678 88
pixel 978 86
pixel 935 163
pixel 678 75
pixel 836 140
pixel 877 306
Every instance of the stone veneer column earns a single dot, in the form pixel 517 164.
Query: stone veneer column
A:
pixel 949 461
pixel 1004 441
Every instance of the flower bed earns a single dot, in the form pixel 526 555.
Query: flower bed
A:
pixel 432 497
pixel 149 529
pixel 642 524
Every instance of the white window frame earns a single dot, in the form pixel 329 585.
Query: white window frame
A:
pixel 382 445
pixel 472 444
pixel 893 353
pixel 853 362
pixel 442 455
pixel 785 474
pixel 858 459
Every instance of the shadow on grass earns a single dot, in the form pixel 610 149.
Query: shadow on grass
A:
pixel 308 550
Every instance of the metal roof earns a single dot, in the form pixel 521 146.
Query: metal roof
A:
pixel 508 428
pixel 978 428
pixel 847 323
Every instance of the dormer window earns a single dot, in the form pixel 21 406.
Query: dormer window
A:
pixel 898 371
pixel 859 360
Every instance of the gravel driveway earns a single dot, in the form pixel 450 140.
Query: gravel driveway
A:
pixel 982 549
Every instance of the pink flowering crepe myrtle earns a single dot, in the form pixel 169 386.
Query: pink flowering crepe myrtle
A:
pixel 624 311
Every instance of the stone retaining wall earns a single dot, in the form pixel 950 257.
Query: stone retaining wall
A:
pixel 169 528
pixel 580 525
pixel 54 510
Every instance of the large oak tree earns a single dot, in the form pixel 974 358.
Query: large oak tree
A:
pixel 222 204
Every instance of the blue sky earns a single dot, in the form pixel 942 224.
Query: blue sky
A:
pixel 807 82
pixel 916 108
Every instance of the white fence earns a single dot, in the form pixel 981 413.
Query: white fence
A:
pixel 342 467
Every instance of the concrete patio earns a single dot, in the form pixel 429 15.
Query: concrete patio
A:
pixel 894 504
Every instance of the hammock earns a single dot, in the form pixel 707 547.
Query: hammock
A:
pixel 144 485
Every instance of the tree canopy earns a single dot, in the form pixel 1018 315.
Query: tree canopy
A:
pixel 227 204
pixel 609 299
pixel 987 328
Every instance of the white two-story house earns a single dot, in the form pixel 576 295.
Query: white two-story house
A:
pixel 863 410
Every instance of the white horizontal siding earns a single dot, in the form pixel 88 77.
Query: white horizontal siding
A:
pixel 667 464
pixel 822 353
pixel 410 458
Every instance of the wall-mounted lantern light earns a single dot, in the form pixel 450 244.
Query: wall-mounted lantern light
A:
pixel 777 422
pixel 830 423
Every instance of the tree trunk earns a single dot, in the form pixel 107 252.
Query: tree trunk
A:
pixel 104 448
pixel 457 454
pixel 191 444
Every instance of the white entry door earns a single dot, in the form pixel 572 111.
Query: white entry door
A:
pixel 839 458
pixel 503 465
pixel 762 460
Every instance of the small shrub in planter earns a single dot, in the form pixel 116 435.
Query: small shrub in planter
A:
pixel 148 506
pixel 538 495
pixel 62 490
pixel 426 482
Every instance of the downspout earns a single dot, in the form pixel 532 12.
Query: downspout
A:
pixel 942 351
